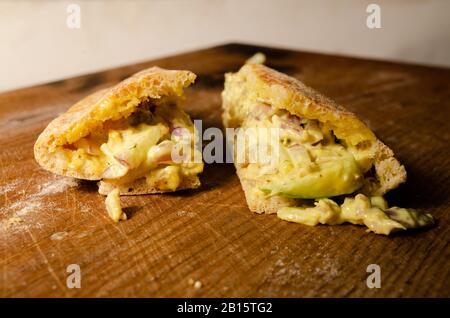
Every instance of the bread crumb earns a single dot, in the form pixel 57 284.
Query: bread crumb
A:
pixel 198 284
pixel 13 221
pixel 279 263
pixel 186 213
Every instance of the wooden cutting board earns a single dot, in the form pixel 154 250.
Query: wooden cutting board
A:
pixel 208 235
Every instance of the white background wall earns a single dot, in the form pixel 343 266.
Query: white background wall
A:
pixel 36 45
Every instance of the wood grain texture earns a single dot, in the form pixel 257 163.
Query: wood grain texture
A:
pixel 208 234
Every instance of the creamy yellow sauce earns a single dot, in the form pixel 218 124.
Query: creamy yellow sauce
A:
pixel 140 147
pixel 310 163
pixel 372 212
pixel 313 164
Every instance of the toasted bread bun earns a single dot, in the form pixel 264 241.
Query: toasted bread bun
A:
pixel 255 83
pixel 109 104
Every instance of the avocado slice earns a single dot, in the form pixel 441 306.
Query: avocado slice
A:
pixel 331 178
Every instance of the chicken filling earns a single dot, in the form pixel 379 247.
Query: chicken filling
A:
pixel 142 146
pixel 312 165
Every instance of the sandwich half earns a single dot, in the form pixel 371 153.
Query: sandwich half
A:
pixel 125 137
pixel 329 167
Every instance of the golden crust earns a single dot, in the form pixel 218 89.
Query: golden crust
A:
pixel 263 84
pixel 255 83
pixel 91 112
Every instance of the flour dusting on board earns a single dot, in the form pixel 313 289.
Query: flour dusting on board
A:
pixel 30 206
pixel 58 236
pixel 32 201
pixel 57 186
pixel 11 186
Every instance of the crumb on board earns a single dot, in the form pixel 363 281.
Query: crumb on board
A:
pixel 13 222
pixel 186 213
pixel 196 283
pixel 279 263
